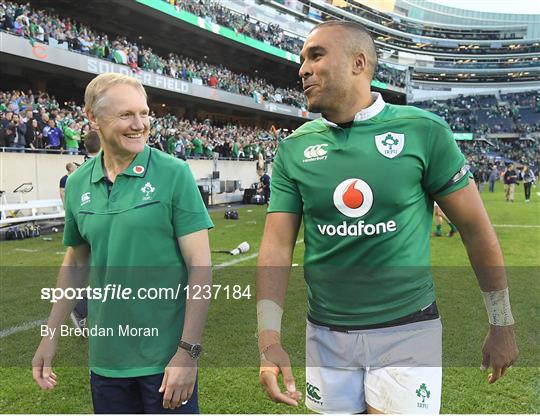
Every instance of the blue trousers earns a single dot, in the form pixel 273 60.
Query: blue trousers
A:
pixel 134 395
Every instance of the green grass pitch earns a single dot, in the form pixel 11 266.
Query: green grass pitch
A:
pixel 228 378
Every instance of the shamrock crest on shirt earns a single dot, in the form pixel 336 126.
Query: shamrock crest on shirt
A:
pixel 147 190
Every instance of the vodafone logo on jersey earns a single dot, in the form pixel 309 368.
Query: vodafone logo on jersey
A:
pixel 353 198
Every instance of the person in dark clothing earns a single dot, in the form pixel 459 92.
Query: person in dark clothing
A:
pixel 493 177
pixel 264 184
pixel 510 178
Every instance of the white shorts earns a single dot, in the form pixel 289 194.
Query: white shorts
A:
pixel 394 370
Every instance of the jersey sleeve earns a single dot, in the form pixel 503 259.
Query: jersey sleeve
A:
pixel 285 196
pixel 72 236
pixel 189 213
pixel 446 169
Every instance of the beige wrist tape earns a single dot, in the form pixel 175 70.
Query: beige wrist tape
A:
pixel 269 315
pixel 498 307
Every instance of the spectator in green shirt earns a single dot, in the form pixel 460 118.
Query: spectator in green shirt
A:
pixel 72 137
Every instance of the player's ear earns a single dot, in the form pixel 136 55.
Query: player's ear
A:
pixel 360 63
pixel 92 119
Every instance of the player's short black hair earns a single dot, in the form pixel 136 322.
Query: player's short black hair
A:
pixel 360 40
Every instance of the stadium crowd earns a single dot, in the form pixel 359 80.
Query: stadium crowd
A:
pixel 269 33
pixel 241 23
pixel 485 114
pixel 63 32
pixel 38 122
pixel 42 26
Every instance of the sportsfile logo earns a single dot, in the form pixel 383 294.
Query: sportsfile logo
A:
pixel 354 198
pixel 315 152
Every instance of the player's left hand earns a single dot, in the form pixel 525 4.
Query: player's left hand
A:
pixel 500 351
pixel 179 380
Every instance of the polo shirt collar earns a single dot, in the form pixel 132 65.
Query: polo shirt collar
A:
pixel 137 168
pixel 366 113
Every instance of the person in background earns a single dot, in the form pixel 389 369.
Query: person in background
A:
pixel 55 137
pixel 72 138
pixel 91 144
pixel 439 216
pixel 510 180
pixel 70 168
pixel 264 185
pixel 493 177
pixel 528 178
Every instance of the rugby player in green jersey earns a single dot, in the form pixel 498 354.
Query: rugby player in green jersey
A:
pixel 363 179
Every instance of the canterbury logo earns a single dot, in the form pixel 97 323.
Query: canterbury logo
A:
pixel 315 152
pixel 313 391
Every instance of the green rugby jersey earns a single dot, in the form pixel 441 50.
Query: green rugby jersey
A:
pixel 132 230
pixel 366 197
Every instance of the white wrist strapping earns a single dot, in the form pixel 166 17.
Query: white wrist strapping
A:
pixel 269 315
pixel 498 307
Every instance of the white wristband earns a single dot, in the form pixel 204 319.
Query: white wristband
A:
pixel 269 315
pixel 498 307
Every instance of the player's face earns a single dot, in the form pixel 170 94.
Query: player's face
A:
pixel 326 70
pixel 123 121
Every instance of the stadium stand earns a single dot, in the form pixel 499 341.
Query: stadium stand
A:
pixel 483 114
pixel 63 32
pixel 197 138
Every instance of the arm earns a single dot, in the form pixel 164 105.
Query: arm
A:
pixel 181 372
pixel 466 210
pixel 62 195
pixel 275 257
pixel 73 274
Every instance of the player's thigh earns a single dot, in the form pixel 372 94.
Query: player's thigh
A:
pixel 404 373
pixel 334 381
pixel 404 390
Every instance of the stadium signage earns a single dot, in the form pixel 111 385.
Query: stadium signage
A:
pixel 98 66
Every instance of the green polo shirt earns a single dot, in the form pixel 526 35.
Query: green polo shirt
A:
pixel 132 228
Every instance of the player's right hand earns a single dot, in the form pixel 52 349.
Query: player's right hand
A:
pixel 273 362
pixel 42 364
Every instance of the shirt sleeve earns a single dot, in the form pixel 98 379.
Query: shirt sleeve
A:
pixel 285 194
pixel 72 236
pixel 446 170
pixel 189 213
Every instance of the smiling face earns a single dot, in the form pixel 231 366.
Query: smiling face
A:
pixel 122 121
pixel 334 72
pixel 326 69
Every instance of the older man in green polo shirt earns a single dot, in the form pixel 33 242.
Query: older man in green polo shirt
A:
pixel 137 230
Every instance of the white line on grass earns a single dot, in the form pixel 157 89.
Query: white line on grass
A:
pixel 22 327
pixel 25 250
pixel 29 325
pixel 515 226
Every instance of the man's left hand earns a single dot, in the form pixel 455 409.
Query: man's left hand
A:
pixel 179 380
pixel 500 351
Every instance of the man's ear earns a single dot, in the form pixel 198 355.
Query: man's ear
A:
pixel 360 63
pixel 92 119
